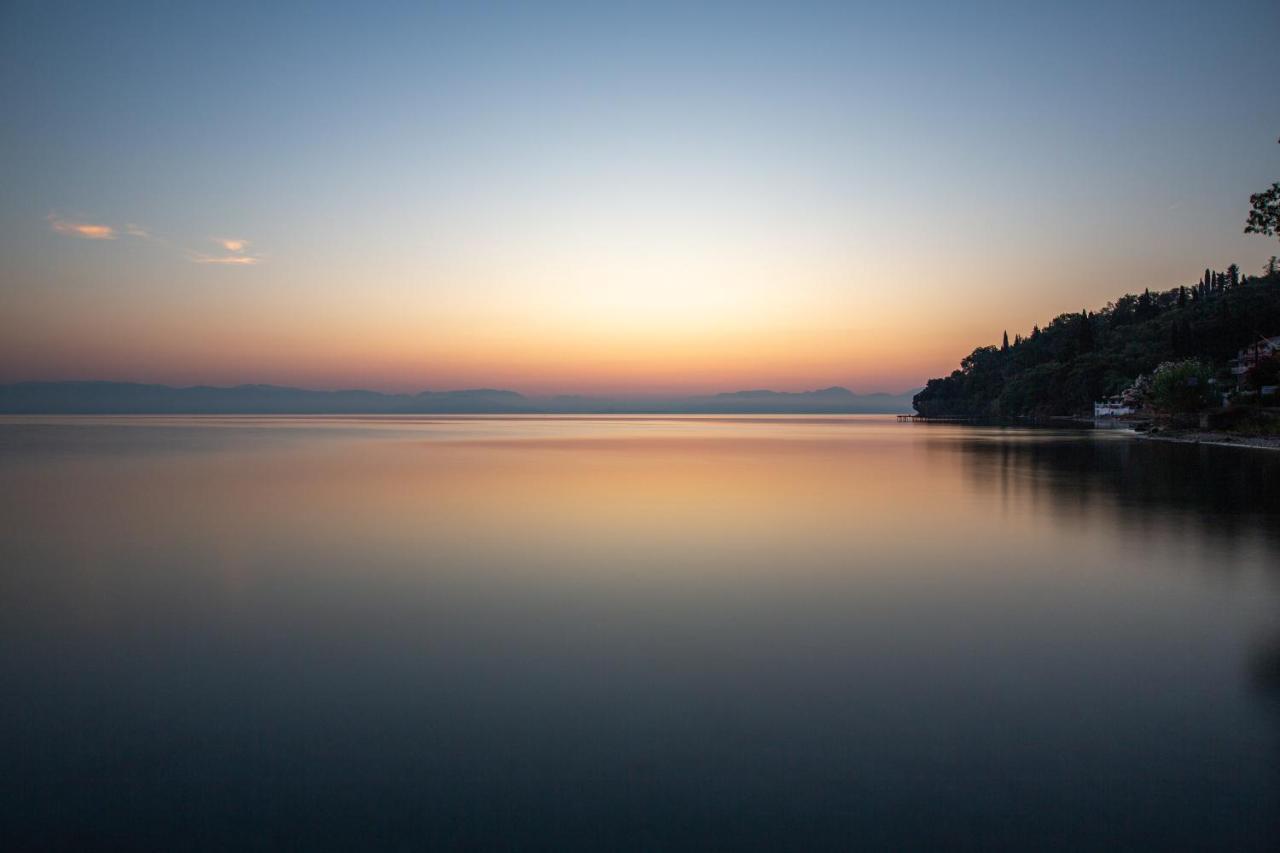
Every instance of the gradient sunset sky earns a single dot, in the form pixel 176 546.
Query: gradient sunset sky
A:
pixel 637 199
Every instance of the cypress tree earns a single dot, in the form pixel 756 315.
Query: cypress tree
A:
pixel 1146 307
pixel 1085 338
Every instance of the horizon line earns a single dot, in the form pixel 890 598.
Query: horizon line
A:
pixel 492 388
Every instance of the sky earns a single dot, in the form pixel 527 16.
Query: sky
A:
pixel 632 198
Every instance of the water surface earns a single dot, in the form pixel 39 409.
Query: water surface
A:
pixel 647 633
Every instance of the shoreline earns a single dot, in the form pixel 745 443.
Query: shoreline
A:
pixel 1213 439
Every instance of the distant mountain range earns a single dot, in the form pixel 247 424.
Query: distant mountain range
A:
pixel 135 398
pixel 835 400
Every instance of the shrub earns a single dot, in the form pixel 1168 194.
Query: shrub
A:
pixel 1182 386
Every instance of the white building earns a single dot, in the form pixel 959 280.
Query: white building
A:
pixel 1247 358
pixel 1111 408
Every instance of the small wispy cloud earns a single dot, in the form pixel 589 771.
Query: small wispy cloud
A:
pixel 232 260
pixel 87 230
pixel 235 249
pixel 239 256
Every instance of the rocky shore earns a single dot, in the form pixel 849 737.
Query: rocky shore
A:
pixel 1210 437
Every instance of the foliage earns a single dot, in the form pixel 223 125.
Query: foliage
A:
pixel 1182 386
pixel 1082 357
pixel 1265 372
pixel 1264 217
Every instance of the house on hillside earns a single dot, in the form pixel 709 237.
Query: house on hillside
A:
pixel 1112 407
pixel 1248 358
pixel 1130 401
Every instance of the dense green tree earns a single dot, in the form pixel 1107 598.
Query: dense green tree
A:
pixel 1084 337
pixel 1265 372
pixel 1264 215
pixel 1077 358
pixel 1182 386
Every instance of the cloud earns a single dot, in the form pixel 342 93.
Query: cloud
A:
pixel 239 257
pixel 236 248
pixel 87 230
pixel 232 260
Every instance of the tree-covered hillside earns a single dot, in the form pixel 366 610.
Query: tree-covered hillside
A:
pixel 1079 358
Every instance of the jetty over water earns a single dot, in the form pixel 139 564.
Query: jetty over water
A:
pixel 924 418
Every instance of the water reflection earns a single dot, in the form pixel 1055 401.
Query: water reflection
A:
pixel 1224 492
pixel 629 632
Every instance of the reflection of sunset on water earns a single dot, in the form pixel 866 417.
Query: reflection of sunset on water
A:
pixel 448 618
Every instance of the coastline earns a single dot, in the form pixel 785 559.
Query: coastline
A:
pixel 1213 439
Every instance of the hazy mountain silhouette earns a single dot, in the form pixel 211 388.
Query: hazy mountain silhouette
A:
pixel 137 398
pixel 134 398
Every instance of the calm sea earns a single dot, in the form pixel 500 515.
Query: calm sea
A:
pixel 644 633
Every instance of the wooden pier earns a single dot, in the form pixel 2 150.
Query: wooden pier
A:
pixel 925 419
